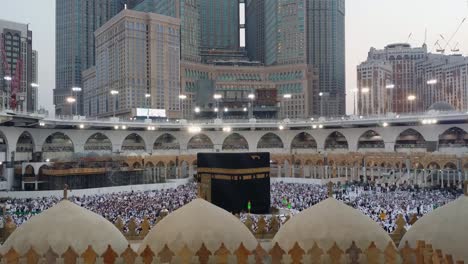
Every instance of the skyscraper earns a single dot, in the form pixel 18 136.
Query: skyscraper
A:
pixel 219 20
pixel 302 31
pixel 16 51
pixel 76 21
pixel 255 33
pixel 146 63
pixel 326 51
pixel 188 12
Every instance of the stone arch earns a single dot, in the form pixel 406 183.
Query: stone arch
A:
pixel 450 165
pixel 29 171
pixel 235 141
pixel 371 140
pixel 58 142
pixel 25 143
pixel 200 141
pixel 433 165
pixel 133 142
pixel 336 140
pixel 160 169
pixel 418 166
pixel 136 165
pixel 410 138
pixel 98 142
pixel 453 137
pixel 304 140
pixel 166 142
pixel 184 169
pixel 149 164
pixel 171 170
pixel 40 172
pixel 269 141
pixel 4 143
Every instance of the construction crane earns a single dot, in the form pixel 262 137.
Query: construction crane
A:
pixel 15 81
pixel 409 37
pixel 447 42
pixel 439 48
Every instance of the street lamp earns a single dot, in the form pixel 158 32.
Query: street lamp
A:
pixel 366 91
pixel 217 97
pixel 411 99
pixel 251 96
pixel 286 96
pixel 355 91
pixel 389 87
pixel 8 79
pixel 181 98
pixel 71 100
pixel 114 94
pixel 147 98
pixel 34 85
pixel 321 95
pixel 197 109
pixel 75 91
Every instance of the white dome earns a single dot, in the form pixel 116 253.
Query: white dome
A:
pixel 197 222
pixel 66 224
pixel 331 221
pixel 446 228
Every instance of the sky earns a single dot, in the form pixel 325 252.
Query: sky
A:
pixel 369 23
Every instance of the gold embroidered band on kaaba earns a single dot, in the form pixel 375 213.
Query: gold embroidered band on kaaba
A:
pixel 236 177
pixel 234 171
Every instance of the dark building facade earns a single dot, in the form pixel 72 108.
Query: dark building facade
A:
pixel 326 51
pixel 18 62
pixel 302 31
pixel 76 21
pixel 219 24
pixel 255 33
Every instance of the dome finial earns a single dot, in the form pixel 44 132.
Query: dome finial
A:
pixel 65 192
pixel 330 189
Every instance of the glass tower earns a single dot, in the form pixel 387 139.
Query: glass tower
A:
pixel 219 24
pixel 326 51
pixel 188 12
pixel 76 21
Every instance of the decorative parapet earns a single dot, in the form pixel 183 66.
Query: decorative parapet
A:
pixel 424 253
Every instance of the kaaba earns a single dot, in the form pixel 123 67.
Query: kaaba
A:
pixel 236 182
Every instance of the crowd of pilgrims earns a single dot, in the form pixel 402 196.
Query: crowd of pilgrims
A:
pixel 382 204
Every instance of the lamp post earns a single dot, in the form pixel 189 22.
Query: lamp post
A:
pixel 71 100
pixel 251 97
pixel 75 91
pixel 411 99
pixel 114 93
pixel 217 97
pixel 181 98
pixel 322 95
pixel 366 91
pixel 8 80
pixel 147 98
pixel 432 83
pixel 355 91
pixel 34 105
pixel 286 97
pixel 389 88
